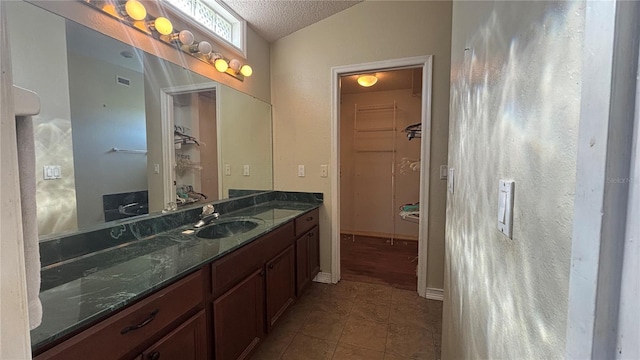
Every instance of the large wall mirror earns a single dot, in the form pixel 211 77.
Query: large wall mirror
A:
pixel 123 133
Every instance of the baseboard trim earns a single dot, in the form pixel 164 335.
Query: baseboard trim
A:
pixel 435 294
pixel 323 277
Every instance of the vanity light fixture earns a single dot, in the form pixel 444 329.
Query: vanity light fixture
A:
pixel 161 25
pixel 201 47
pixel 234 64
pixel 246 70
pixel 367 80
pixel 220 63
pixel 185 37
pixel 236 68
pixel 135 10
pixel 133 13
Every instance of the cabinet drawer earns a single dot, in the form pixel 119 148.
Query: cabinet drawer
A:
pixel 307 221
pixel 126 331
pixel 187 342
pixel 237 265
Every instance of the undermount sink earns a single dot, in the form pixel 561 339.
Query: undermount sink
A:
pixel 225 228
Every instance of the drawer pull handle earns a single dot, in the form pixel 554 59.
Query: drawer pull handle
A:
pixel 310 218
pixel 310 234
pixel 154 356
pixel 142 324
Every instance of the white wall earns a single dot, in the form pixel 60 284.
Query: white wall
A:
pixel 301 96
pixel 56 199
pixel 515 107
pixel 105 115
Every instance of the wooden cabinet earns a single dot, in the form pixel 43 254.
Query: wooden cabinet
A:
pixel 238 318
pixel 187 342
pixel 135 326
pixel 280 284
pixel 307 249
pixel 222 311
pixel 307 259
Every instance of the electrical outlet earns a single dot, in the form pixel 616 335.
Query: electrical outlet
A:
pixel 227 169
pixel 246 170
pixel 52 172
pixel 324 171
pixel 300 170
pixel 156 168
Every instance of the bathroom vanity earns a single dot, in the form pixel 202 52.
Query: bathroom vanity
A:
pixel 202 295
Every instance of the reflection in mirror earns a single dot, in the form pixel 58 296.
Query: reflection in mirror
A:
pixel 102 131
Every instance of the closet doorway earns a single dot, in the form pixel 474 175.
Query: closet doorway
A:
pixel 382 157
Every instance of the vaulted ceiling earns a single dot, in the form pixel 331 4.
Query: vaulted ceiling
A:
pixel 273 19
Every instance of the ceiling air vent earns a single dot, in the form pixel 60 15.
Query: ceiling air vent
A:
pixel 123 81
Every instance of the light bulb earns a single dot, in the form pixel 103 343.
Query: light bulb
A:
pixel 246 70
pixel 186 37
pixel 163 25
pixel 234 64
pixel 202 47
pixel 221 65
pixel 135 10
pixel 367 80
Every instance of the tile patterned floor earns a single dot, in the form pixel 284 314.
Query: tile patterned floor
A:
pixel 353 320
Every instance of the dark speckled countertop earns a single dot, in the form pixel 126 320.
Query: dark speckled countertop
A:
pixel 82 290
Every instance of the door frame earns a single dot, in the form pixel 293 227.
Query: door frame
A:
pixel 168 120
pixel 426 63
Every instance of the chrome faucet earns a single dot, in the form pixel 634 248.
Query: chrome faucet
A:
pixel 207 216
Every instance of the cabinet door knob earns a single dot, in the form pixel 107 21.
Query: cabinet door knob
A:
pixel 310 234
pixel 262 273
pixel 154 355
pixel 270 266
pixel 142 324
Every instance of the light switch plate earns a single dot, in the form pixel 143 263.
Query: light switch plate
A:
pixel 443 172
pixel 505 207
pixel 324 171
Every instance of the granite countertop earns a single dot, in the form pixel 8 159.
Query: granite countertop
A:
pixel 82 290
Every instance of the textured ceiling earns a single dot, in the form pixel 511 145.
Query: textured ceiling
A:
pixel 273 19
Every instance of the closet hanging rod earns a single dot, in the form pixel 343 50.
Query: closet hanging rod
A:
pixel 129 151
pixel 376 107
pixel 391 151
pixel 376 129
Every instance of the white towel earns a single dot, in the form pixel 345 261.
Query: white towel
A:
pixel 27 168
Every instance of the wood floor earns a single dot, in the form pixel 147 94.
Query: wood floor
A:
pixel 375 260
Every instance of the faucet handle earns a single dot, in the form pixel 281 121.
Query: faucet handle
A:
pixel 208 209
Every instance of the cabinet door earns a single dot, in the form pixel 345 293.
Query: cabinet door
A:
pixel 238 318
pixel 281 284
pixel 313 259
pixel 302 264
pixel 187 342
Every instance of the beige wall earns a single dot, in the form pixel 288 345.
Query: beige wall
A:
pixel 301 97
pixel 515 107
pixel 244 124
